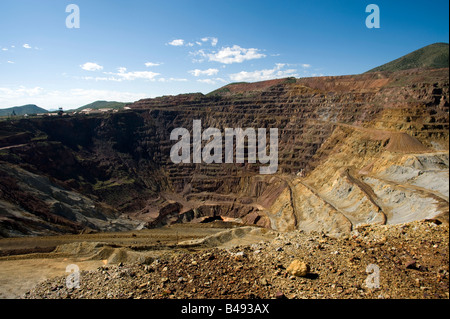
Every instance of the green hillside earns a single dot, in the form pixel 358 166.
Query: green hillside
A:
pixel 22 110
pixel 103 105
pixel 432 56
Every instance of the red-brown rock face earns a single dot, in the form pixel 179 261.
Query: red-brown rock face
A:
pixel 335 133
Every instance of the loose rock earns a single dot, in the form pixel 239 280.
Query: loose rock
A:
pixel 298 268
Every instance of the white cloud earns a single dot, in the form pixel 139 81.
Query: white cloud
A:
pixel 129 76
pixel 180 42
pixel 177 42
pixel 90 66
pixel 201 53
pixel 101 78
pixel 4 49
pixel 93 95
pixel 234 54
pixel 172 80
pixel 305 65
pixel 67 99
pixel 211 81
pixel 262 75
pixel 213 40
pixel 123 75
pixel 208 72
pixel 27 46
pixel 21 91
pixel 150 64
pixel 207 81
pixel 11 62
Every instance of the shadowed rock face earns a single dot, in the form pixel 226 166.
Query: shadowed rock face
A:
pixel 343 141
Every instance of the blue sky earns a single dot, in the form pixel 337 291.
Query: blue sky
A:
pixel 128 50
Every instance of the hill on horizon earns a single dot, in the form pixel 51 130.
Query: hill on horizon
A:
pixel 102 105
pixel 22 110
pixel 432 56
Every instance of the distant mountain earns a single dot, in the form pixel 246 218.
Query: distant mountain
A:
pixel 103 105
pixel 432 56
pixel 22 110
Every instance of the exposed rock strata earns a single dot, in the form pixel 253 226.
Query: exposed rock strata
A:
pixel 369 148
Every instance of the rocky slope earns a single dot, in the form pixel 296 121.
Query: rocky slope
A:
pixel 53 208
pixel 370 148
pixel 371 262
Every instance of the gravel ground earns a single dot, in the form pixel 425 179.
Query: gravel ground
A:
pixel 392 262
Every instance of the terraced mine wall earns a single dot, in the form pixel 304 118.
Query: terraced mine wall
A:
pixel 121 161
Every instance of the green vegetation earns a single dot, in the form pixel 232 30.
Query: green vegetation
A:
pixel 103 105
pixel 290 80
pixel 432 56
pixel 224 89
pixel 219 91
pixel 235 83
pixel 22 110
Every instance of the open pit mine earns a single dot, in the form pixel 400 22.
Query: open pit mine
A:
pixel 356 206
pixel 358 149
